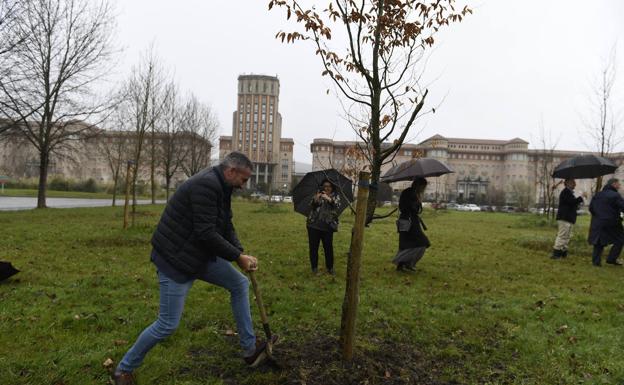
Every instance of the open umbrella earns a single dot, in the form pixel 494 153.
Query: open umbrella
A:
pixel 310 184
pixel 7 270
pixel 420 167
pixel 584 167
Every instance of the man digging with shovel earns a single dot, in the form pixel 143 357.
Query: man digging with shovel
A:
pixel 195 239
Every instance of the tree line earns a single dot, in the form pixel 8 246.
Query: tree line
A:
pixel 55 57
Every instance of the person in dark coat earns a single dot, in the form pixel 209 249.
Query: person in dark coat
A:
pixel 566 218
pixel 321 223
pixel 606 223
pixel 412 242
pixel 195 239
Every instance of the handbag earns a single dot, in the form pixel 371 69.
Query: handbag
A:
pixel 403 225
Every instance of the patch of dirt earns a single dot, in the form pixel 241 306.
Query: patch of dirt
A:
pixel 318 362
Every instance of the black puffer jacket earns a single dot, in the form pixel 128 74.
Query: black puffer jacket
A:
pixel 196 225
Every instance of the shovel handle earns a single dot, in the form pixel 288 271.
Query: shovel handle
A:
pixel 263 315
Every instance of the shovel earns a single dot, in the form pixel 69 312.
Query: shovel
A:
pixel 263 315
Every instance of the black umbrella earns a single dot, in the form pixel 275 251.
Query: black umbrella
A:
pixel 421 167
pixel 7 270
pixel 310 184
pixel 584 167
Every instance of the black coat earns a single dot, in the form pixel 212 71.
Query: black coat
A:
pixel 568 205
pixel 196 226
pixel 410 207
pixel 606 224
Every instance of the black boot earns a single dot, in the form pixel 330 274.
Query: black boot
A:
pixel 556 254
pixel 564 253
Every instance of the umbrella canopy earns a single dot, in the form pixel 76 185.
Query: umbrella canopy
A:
pixel 421 167
pixel 7 270
pixel 584 167
pixel 310 184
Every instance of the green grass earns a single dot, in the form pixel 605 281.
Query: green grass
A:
pixel 486 300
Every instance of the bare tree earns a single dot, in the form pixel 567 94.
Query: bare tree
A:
pixel 10 16
pixel 521 193
pixel 114 146
pixel 141 101
pixel 172 152
pixel 65 47
pixel 377 70
pixel 603 120
pixel 545 166
pixel 200 126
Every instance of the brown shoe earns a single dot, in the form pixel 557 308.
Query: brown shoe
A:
pixel 124 378
pixel 260 355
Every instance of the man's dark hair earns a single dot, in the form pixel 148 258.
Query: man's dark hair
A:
pixel 236 159
pixel 612 181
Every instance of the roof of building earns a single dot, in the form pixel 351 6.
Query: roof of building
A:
pixel 257 77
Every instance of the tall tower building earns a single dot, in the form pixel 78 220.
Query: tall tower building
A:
pixel 257 132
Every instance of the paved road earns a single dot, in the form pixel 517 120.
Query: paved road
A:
pixel 24 203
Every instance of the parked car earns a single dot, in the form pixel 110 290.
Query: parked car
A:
pixel 472 207
pixel 462 208
pixel 452 206
pixel 486 208
pixel 276 198
pixel 508 209
pixel 287 199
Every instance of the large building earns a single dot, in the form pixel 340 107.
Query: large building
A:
pixel 93 153
pixel 257 132
pixel 481 166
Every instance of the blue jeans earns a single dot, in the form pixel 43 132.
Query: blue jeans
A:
pixel 172 296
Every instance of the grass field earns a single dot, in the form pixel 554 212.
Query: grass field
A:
pixel 486 306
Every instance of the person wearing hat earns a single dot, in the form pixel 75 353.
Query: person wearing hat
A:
pixel 566 218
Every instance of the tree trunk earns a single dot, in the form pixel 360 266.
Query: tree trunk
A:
pixel 115 179
pixel 44 159
pixel 351 299
pixel 598 184
pixel 372 195
pixel 153 169
pixel 125 216
pixel 167 186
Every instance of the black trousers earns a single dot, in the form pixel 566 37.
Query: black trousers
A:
pixel 614 253
pixel 314 238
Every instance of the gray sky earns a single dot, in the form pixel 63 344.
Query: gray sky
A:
pixel 498 72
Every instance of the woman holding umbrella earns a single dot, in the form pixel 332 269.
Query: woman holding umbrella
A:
pixel 412 239
pixel 322 222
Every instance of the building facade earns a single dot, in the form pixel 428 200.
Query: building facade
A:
pixel 257 132
pixel 93 153
pixel 482 167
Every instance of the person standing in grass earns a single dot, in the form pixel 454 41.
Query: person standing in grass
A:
pixel 195 239
pixel 606 223
pixel 321 223
pixel 412 239
pixel 566 218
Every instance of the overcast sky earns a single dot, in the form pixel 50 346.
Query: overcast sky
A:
pixel 498 72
